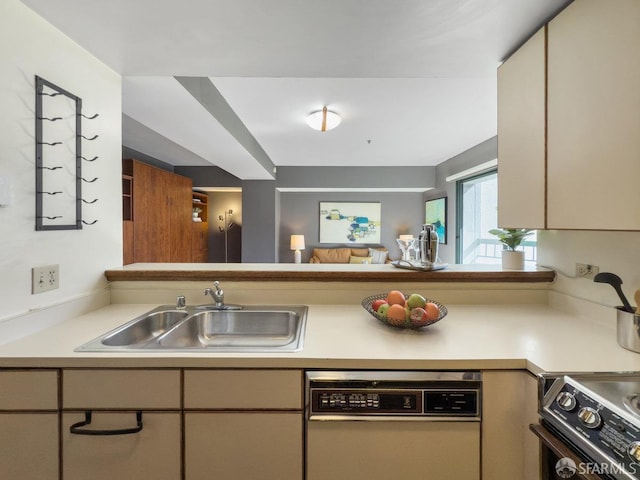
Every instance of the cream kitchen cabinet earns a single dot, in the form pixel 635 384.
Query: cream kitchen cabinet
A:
pixel 243 424
pixel 29 424
pixel 593 107
pixel 121 424
pixel 571 123
pixel 522 136
pixel 510 404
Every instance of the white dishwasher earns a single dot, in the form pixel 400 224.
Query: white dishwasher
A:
pixel 381 425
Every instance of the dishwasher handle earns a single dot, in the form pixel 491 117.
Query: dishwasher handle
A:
pixel 77 429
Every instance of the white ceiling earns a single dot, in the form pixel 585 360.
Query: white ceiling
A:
pixel 414 80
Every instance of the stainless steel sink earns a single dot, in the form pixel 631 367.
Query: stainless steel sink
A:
pixel 251 329
pixel 141 330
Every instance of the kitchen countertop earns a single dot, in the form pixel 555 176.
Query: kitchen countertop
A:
pixel 534 337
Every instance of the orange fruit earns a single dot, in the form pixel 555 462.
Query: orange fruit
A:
pixel 397 314
pixel 395 297
pixel 432 310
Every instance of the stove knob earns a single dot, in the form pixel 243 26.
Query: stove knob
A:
pixel 633 450
pixel 589 417
pixel 566 401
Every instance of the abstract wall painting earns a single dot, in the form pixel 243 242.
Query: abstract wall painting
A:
pixel 350 222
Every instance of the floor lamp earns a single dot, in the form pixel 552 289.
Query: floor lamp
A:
pixel 226 218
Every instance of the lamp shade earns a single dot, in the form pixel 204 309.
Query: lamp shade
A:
pixel 297 242
pixel 405 237
pixel 323 120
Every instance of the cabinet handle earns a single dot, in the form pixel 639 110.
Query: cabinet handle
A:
pixel 76 427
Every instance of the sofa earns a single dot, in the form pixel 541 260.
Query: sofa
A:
pixel 350 255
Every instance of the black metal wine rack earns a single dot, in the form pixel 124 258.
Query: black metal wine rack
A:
pixel 59 158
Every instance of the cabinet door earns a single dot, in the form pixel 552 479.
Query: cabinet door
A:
pixel 29 446
pixel 29 424
pixel 243 445
pixel 151 224
pixel 179 214
pixel 594 116
pixel 199 242
pixel 522 136
pixel 509 449
pixel 152 453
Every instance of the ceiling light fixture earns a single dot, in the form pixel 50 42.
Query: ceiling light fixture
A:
pixel 323 120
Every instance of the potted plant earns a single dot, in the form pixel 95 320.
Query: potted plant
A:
pixel 511 239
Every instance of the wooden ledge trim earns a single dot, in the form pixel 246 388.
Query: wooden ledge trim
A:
pixel 508 276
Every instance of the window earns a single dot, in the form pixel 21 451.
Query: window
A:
pixel 477 213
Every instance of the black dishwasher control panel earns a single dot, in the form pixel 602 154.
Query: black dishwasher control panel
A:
pixel 392 394
pixel 435 402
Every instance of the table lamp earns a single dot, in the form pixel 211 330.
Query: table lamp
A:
pixel 297 244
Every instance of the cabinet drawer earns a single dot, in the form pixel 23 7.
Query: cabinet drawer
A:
pixel 152 453
pixel 243 389
pixel 135 389
pixel 29 390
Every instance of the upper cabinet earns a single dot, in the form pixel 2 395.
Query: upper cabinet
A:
pixel 521 136
pixel 594 116
pixel 591 122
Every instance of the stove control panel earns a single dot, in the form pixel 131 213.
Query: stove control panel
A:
pixel 593 425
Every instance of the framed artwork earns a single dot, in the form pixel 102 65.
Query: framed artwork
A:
pixel 436 214
pixel 350 222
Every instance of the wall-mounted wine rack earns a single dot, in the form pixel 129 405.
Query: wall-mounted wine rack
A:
pixel 59 158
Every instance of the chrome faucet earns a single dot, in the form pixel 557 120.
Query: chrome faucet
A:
pixel 218 295
pixel 218 298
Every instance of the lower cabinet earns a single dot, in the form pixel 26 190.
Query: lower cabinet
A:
pixel 229 424
pixel 29 446
pixel 121 445
pixel 29 424
pixel 243 424
pixel 121 424
pixel 510 404
pixel 235 445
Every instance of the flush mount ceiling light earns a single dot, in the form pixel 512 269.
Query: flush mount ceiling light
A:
pixel 323 120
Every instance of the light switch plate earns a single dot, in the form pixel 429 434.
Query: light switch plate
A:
pixel 45 278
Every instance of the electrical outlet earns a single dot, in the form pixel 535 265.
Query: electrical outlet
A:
pixel 45 278
pixel 585 270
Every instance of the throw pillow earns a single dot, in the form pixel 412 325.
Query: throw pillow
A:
pixel 378 256
pixel 353 259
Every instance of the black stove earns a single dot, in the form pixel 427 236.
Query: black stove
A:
pixel 598 417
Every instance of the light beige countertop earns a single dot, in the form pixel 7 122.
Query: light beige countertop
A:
pixel 535 337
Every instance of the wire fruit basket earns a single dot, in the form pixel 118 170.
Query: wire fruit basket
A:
pixel 407 323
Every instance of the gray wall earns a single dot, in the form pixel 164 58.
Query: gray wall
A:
pixel 483 152
pixel 220 202
pixel 401 213
pixel 259 232
pixel 271 212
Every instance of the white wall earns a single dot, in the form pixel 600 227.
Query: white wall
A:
pixel 30 46
pixel 616 252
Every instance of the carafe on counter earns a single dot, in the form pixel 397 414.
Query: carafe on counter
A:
pixel 428 244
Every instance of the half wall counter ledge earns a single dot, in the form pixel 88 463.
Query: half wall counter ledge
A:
pixel 324 273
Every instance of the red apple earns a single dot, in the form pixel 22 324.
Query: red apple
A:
pixel 376 304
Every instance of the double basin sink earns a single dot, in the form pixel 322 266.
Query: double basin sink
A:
pixel 207 329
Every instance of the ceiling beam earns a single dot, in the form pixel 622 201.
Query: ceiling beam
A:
pixel 206 93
